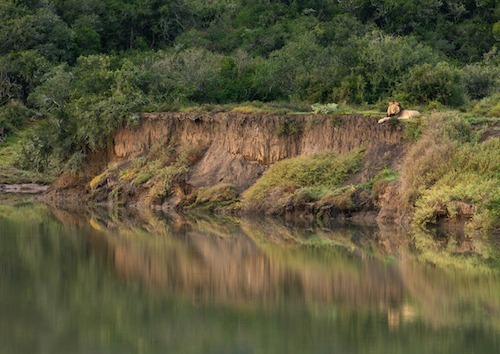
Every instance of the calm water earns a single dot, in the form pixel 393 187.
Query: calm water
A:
pixel 98 283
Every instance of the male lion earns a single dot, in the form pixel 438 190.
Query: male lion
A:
pixel 395 110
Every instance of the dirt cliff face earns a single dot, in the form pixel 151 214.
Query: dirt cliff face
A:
pixel 236 148
pixel 239 147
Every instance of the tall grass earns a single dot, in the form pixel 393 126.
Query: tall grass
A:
pixel 450 167
pixel 321 172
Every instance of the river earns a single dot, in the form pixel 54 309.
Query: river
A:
pixel 98 281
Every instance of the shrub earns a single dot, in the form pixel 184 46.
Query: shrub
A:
pixel 13 115
pixel 427 160
pixel 441 82
pixel 481 80
pixel 290 127
pixel 39 148
pixel 383 60
pixel 324 108
pixel 488 106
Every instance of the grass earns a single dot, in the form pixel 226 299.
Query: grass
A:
pixel 219 196
pixel 156 172
pixel 302 180
pixel 327 169
pixel 253 107
pixel 449 166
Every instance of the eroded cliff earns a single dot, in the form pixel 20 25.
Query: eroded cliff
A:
pixel 229 148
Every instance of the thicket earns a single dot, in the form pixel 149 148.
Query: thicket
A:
pixel 89 66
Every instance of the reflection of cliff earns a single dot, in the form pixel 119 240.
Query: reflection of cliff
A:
pixel 265 263
pixel 235 269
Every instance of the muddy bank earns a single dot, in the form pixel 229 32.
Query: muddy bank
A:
pixel 225 149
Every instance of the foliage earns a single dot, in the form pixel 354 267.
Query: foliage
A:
pixel 413 130
pixel 10 169
pixel 449 169
pixel 488 106
pixel 481 80
pixel 325 170
pixel 290 127
pixel 324 108
pixel 13 115
pixel 424 83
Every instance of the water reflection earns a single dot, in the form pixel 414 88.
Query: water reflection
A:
pixel 146 280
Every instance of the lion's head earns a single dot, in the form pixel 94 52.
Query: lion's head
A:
pixel 394 108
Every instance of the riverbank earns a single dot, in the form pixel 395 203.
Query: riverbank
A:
pixel 437 168
pixel 208 161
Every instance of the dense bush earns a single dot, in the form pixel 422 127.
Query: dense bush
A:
pixel 12 116
pixel 425 83
pixel 481 80
pixel 488 106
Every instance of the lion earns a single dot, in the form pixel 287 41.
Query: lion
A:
pixel 395 110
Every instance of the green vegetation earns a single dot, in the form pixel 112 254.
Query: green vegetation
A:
pixel 10 154
pixel 89 67
pixel 290 127
pixel 302 179
pixel 450 172
pixel 220 196
pixel 154 174
pixel 325 108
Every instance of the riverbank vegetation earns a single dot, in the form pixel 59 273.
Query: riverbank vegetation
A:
pixel 452 172
pixel 304 179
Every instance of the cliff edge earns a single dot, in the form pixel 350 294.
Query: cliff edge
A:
pixel 169 156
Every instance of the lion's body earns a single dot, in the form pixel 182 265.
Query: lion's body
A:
pixel 396 111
